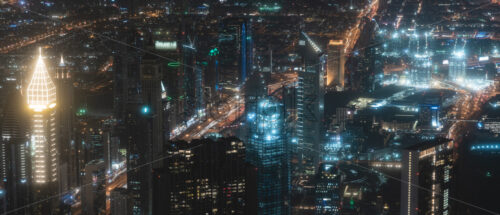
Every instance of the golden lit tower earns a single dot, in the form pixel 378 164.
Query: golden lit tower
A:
pixel 41 95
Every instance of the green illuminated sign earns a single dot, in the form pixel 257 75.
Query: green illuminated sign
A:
pixel 174 64
pixel 270 8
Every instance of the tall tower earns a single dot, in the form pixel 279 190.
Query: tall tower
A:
pixel 66 140
pixel 420 70
pixel 310 105
pixel 41 95
pixel 457 67
pixel 266 150
pixel 15 171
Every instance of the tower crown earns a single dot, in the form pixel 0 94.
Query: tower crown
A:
pixel 41 90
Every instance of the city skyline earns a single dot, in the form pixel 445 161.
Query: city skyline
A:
pixel 242 107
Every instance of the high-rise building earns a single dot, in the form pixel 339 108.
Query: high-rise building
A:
pixel 150 77
pixel 15 166
pixel 428 164
pixel 420 70
pixel 193 80
pixel 335 64
pixel 41 100
pixel 94 191
pixel 65 124
pixel 41 93
pixel 205 177
pixel 328 189
pixel 120 201
pixel 144 134
pixel 267 151
pixel 457 67
pixel 310 104
pixel 139 111
pixel 236 51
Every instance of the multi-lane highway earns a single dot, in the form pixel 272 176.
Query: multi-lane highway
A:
pixel 353 34
pixel 12 45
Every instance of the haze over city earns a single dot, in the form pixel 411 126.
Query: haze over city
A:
pixel 267 107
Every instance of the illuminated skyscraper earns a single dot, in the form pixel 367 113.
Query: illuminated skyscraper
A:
pixel 310 104
pixel 420 71
pixel 457 67
pixel 41 94
pixel 267 151
pixel 428 164
pixel 328 189
pixel 335 65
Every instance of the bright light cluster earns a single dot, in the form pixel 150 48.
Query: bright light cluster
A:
pixel 485 147
pixel 41 90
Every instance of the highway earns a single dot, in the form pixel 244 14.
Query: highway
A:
pixel 119 181
pixel 467 109
pixel 353 34
pixel 61 29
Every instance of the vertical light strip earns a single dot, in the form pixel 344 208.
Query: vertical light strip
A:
pixel 409 182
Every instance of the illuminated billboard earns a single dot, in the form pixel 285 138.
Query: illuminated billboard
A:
pixel 165 45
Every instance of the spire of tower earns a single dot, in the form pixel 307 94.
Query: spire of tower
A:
pixel 41 90
pixel 61 63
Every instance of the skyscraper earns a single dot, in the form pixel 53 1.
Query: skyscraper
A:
pixel 15 166
pixel 137 93
pixel 427 164
pixel 41 100
pixel 310 104
pixel 150 76
pixel 457 67
pixel 235 47
pixel 205 177
pixel 267 151
pixel 94 191
pixel 328 189
pixel 65 124
pixel 41 95
pixel 335 64
pixel 120 201
pixel 193 80
pixel 420 70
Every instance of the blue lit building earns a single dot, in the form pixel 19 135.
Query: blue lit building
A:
pixel 236 51
pixel 457 67
pixel 420 70
pixel 267 151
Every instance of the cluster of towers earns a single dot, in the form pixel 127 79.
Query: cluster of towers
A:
pixel 35 140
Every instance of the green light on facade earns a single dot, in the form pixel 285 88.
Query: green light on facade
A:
pixel 174 64
pixel 214 52
pixel 81 112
